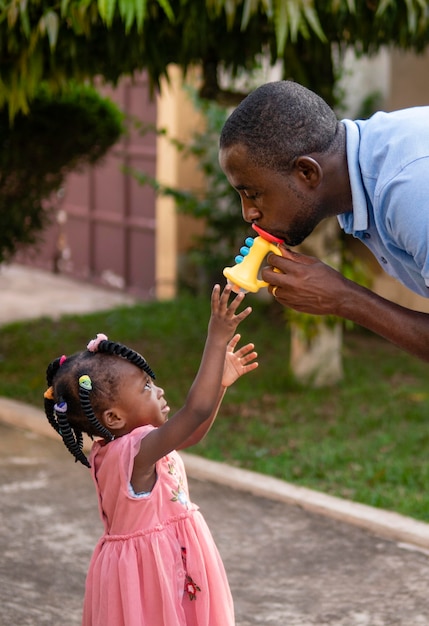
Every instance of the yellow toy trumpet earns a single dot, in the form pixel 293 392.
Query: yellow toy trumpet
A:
pixel 244 275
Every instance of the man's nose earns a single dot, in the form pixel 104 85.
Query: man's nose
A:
pixel 249 212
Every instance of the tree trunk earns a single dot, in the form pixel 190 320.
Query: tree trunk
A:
pixel 317 360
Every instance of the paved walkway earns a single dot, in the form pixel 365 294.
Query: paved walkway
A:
pixel 27 293
pixel 294 557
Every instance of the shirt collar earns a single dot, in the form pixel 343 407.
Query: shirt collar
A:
pixel 358 218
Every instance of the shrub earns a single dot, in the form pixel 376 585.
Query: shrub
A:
pixel 61 133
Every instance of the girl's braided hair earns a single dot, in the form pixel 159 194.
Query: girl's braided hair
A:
pixel 81 386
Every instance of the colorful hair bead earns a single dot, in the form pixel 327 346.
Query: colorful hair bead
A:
pixel 60 407
pixel 49 393
pixel 94 343
pixel 85 382
pixel 85 387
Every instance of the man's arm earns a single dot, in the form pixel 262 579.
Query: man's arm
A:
pixel 308 285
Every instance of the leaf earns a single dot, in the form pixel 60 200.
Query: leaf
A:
pixel 280 24
pixel 12 14
pixel 295 19
pixel 166 6
pixel 313 19
pixel 52 22
pixel 24 18
pixel 249 8
pixel 384 4
pixel 127 11
pixel 106 9
pixel 64 6
pixel 140 6
pixel 230 11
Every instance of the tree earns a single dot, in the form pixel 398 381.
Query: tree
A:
pixel 47 41
pixel 53 42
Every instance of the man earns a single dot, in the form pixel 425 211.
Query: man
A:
pixel 294 164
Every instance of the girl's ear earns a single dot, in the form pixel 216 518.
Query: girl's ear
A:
pixel 113 420
pixel 309 170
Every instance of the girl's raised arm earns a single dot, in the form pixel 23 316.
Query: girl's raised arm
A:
pixel 205 393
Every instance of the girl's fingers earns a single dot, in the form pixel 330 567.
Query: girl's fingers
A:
pixel 215 296
pixel 249 357
pixel 226 293
pixel 241 316
pixel 233 342
pixel 253 365
pixel 246 348
pixel 221 304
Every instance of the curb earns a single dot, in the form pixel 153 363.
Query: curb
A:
pixel 386 524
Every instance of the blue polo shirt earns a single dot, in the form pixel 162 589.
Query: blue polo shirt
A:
pixel 388 162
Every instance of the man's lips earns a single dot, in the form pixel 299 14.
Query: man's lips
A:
pixel 265 235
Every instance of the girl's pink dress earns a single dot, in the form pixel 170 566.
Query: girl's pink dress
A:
pixel 157 563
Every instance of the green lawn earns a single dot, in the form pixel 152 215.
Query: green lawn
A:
pixel 366 439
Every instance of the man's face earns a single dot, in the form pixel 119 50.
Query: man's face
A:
pixel 280 203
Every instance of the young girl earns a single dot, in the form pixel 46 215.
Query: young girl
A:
pixel 156 564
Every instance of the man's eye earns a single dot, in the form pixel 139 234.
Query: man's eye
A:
pixel 251 196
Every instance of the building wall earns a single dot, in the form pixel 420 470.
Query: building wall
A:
pixel 409 80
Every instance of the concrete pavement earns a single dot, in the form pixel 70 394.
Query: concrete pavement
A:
pixel 294 557
pixel 27 293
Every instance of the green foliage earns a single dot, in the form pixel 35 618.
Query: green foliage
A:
pixel 290 19
pixel 369 25
pixel 357 24
pixel 83 39
pixel 60 135
pixel 54 42
pixel 131 11
pixel 366 439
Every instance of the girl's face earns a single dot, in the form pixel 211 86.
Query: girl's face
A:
pixel 139 402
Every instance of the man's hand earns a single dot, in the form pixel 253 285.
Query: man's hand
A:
pixel 305 283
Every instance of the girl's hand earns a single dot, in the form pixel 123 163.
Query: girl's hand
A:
pixel 238 363
pixel 224 319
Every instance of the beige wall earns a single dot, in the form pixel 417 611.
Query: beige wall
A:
pixel 409 84
pixel 174 231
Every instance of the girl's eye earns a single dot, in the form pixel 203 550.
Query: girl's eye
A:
pixel 148 385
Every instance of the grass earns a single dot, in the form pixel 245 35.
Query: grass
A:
pixel 366 439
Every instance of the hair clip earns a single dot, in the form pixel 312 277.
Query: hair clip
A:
pixel 62 359
pixel 60 407
pixel 85 382
pixel 49 393
pixel 94 343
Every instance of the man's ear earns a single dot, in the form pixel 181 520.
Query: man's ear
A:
pixel 113 420
pixel 309 170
